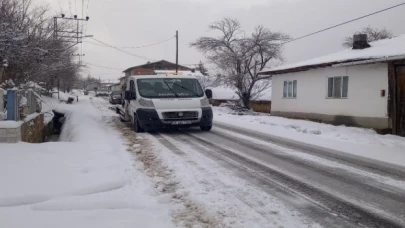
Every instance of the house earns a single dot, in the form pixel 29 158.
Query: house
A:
pixel 104 84
pixel 114 87
pixel 149 68
pixel 363 86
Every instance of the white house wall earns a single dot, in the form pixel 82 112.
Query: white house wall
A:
pixel 364 98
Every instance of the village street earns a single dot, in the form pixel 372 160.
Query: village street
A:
pixel 242 168
pixel 101 173
pixel 202 114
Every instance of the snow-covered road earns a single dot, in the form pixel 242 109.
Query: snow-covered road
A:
pixel 234 177
pixel 326 190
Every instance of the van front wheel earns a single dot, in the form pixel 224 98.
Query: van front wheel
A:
pixel 205 128
pixel 137 127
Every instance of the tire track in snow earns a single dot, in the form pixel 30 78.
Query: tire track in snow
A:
pixel 366 164
pixel 190 214
pixel 248 198
pixel 333 205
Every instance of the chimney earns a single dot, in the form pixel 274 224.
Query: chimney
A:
pixel 360 42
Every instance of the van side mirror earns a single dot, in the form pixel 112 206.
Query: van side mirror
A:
pixel 208 93
pixel 129 95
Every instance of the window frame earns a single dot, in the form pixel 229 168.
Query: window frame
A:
pixel 333 78
pixel 290 94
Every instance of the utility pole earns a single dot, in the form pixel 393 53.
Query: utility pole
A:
pixel 177 52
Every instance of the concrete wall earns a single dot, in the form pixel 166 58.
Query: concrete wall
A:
pixel 364 105
pixel 261 106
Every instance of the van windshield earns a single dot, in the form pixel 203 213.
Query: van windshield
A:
pixel 169 87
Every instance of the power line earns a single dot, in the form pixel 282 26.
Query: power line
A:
pixel 143 46
pixel 123 51
pixel 347 22
pixel 110 68
pixel 153 44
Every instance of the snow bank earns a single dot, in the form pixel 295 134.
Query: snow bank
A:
pixel 227 93
pixel 358 141
pixel 86 180
pixel 10 124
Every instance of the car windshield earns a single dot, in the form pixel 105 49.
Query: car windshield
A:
pixel 169 87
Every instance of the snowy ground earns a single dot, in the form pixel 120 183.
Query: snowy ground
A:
pixel 88 179
pixel 100 174
pixel 358 141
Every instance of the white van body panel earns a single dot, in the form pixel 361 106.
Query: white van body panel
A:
pixel 162 105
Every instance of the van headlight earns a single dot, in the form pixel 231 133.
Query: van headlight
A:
pixel 204 102
pixel 146 103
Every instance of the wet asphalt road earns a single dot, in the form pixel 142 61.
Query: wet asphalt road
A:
pixel 332 189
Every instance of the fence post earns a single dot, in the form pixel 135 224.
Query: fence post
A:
pixel 31 101
pixel 1 103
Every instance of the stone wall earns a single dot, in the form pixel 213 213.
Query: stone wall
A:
pixel 32 131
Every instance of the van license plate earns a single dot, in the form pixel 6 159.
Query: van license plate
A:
pixel 184 122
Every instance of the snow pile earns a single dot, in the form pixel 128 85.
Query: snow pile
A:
pixel 87 180
pixel 379 49
pixel 227 93
pixel 224 93
pixel 10 123
pixel 359 141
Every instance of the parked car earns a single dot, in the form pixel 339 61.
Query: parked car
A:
pixel 115 97
pixel 102 93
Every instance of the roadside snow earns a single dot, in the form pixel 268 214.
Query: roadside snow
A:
pixel 358 141
pixel 85 180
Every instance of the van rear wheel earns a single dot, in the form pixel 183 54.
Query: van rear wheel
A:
pixel 205 128
pixel 137 126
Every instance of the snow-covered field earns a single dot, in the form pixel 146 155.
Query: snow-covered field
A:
pixel 88 179
pixel 353 140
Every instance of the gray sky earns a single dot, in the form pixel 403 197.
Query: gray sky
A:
pixel 141 22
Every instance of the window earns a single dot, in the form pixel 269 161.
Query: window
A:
pixel 290 89
pixel 132 86
pixel 338 87
pixel 169 87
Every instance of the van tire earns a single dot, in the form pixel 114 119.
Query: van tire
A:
pixel 136 125
pixel 205 128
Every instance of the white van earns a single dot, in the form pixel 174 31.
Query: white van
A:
pixel 153 102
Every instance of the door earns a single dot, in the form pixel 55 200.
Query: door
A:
pixel 400 73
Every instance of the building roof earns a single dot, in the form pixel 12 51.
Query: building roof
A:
pixel 180 72
pixel 150 65
pixel 379 51
pixel 160 76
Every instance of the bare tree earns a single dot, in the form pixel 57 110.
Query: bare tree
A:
pixel 201 67
pixel 240 58
pixel 373 34
pixel 27 42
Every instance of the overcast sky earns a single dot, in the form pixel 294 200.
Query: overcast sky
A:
pixel 141 22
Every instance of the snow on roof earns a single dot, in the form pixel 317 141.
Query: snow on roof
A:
pixel 180 72
pixel 394 47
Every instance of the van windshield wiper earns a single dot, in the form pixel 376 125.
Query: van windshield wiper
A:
pixel 195 93
pixel 170 88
